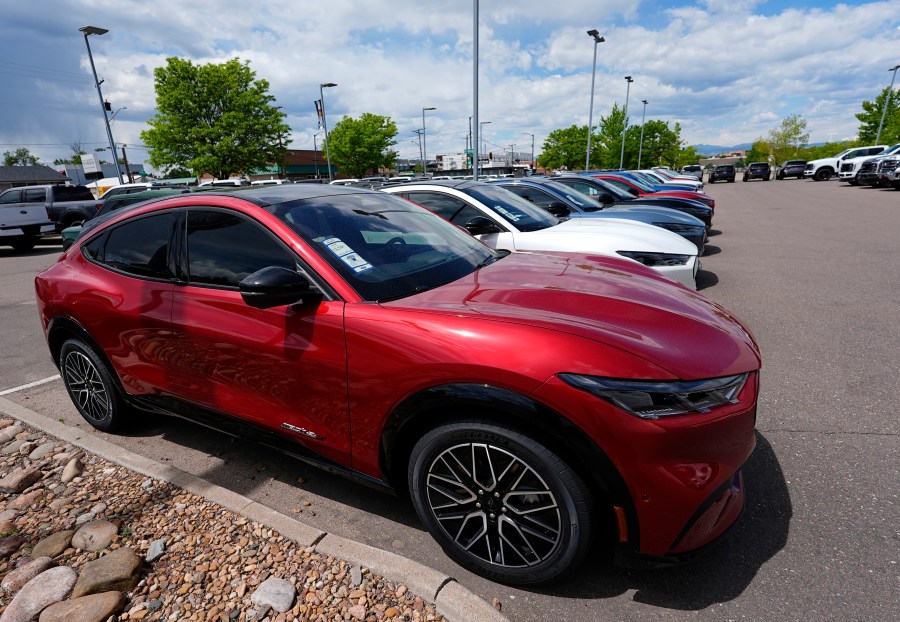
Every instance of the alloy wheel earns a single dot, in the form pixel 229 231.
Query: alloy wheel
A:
pixel 86 386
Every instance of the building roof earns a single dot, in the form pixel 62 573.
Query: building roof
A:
pixel 19 175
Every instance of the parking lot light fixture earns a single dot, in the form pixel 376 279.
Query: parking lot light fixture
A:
pixel 628 82
pixel 587 160
pixel 326 85
pixel 95 30
pixel 424 151
pixel 641 144
pixel 887 102
pixel 532 149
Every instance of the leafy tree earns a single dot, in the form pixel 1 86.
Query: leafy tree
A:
pixel 661 146
pixel 786 140
pixel 20 157
pixel 688 155
pixel 214 118
pixel 870 118
pixel 608 139
pixel 759 151
pixel 358 146
pixel 566 148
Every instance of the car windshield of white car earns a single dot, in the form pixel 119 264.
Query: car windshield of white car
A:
pixel 514 209
pixel 383 246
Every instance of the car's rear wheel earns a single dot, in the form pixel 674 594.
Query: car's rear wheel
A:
pixel 91 386
pixel 500 503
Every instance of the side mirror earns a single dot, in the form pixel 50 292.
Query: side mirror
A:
pixel 558 209
pixel 479 225
pixel 604 198
pixel 273 287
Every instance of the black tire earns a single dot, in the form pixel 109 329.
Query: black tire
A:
pixel 23 244
pixel 481 522
pixel 823 174
pixel 91 386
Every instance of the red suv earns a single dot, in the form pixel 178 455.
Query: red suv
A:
pixel 527 403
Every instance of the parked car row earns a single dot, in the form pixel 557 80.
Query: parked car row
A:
pixel 528 377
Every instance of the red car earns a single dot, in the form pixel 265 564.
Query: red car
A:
pixel 640 189
pixel 527 403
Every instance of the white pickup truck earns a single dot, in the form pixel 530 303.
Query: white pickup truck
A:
pixel 826 168
pixel 24 217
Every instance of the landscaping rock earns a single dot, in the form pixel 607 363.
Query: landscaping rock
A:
pixel 17 578
pixel 9 545
pixel 275 593
pixel 54 545
pixel 92 608
pixel 73 469
pixel 94 535
pixel 119 570
pixel 155 550
pixel 27 500
pixel 9 433
pixel 41 451
pixel 51 586
pixel 19 480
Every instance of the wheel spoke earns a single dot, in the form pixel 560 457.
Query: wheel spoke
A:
pixel 86 385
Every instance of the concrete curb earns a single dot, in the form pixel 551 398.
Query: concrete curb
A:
pixel 450 598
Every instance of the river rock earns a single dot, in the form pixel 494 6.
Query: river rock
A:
pixel 9 433
pixel 275 593
pixel 92 608
pixel 41 451
pixel 9 545
pixel 155 550
pixel 53 545
pixel 119 570
pixel 51 586
pixel 94 535
pixel 19 480
pixel 27 500
pixel 17 578
pixel 73 469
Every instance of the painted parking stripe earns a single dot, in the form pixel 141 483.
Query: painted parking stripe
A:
pixel 36 383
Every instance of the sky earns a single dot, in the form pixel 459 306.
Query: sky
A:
pixel 727 71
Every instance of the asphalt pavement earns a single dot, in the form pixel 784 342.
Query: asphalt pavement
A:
pixel 814 269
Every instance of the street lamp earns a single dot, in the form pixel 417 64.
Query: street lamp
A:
pixel 326 85
pixel 587 159
pixel 532 150
pixel 480 149
pixel 88 31
pixel 641 144
pixel 628 82
pixel 424 152
pixel 316 154
pixel 887 101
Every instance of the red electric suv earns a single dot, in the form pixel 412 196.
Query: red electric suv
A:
pixel 527 403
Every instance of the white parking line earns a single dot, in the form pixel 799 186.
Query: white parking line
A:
pixel 29 385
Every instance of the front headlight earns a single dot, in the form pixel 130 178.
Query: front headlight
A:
pixel 650 399
pixel 655 260
pixel 677 227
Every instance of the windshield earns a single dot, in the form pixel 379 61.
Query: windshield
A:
pixel 578 198
pixel 511 207
pixel 641 184
pixel 383 246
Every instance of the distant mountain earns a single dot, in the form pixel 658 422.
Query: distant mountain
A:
pixel 710 150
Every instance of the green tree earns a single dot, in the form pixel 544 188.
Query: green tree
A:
pixel 870 118
pixel 688 155
pixel 214 118
pixel 608 139
pixel 566 148
pixel 661 146
pixel 759 151
pixel 358 146
pixel 20 157
pixel 786 140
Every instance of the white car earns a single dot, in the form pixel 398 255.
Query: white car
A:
pixel 667 180
pixel 503 220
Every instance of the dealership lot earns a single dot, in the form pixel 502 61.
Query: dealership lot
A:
pixel 813 269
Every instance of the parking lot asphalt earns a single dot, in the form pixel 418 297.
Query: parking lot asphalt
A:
pixel 814 270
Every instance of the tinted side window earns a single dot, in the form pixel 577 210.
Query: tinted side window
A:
pixel 72 193
pixel 35 195
pixel 141 246
pixel 223 248
pixel 12 196
pixel 538 197
pixel 444 206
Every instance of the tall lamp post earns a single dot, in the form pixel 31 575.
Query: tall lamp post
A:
pixel 587 159
pixel 424 151
pixel 88 31
pixel 316 154
pixel 322 86
pixel 532 150
pixel 481 125
pixel 641 144
pixel 887 101
pixel 628 82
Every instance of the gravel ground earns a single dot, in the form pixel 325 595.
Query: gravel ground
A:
pixel 214 559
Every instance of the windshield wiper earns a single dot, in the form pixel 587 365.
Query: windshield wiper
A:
pixel 492 258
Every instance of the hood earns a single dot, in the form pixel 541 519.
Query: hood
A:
pixel 604 300
pixel 587 235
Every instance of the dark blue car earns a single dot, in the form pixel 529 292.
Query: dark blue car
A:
pixel 566 202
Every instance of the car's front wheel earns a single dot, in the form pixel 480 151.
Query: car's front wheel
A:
pixel 500 503
pixel 90 384
pixel 823 174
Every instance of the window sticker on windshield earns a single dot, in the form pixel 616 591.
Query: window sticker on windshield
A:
pixel 347 255
pixel 510 216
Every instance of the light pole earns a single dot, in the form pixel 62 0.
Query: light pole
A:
pixel 481 144
pixel 587 160
pixel 88 31
pixel 424 151
pixel 316 154
pixel 475 86
pixel 532 150
pixel 887 101
pixel 322 86
pixel 641 144
pixel 628 82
